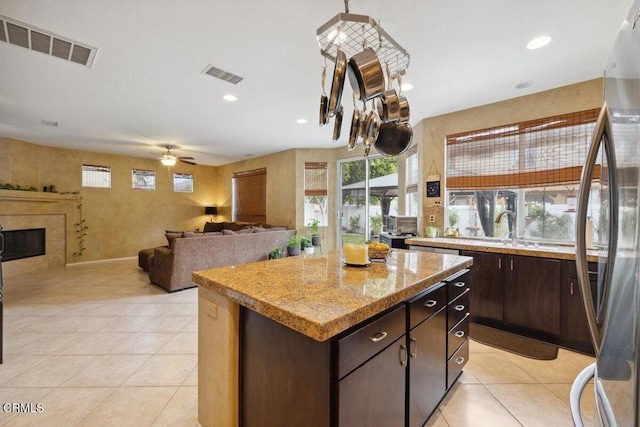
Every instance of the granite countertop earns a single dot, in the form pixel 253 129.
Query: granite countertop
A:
pixel 543 251
pixel 319 296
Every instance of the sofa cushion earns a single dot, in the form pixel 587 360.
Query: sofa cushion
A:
pixel 228 232
pixel 258 229
pixel 192 234
pixel 233 226
pixel 213 233
pixel 172 235
pixel 213 227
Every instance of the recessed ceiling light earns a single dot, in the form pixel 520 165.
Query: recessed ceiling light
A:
pixel 538 42
pixel 406 87
pixel 48 123
pixel 302 121
pixel 230 98
pixel 525 85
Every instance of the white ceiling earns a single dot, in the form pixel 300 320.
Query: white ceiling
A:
pixel 146 88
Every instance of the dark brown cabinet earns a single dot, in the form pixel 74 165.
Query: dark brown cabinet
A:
pixel 426 381
pixel 532 293
pixel 487 278
pixel 458 313
pixel 573 323
pixel 518 292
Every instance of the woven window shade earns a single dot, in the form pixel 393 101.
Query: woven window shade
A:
pixel 412 169
pixel 250 195
pixel 315 179
pixel 528 154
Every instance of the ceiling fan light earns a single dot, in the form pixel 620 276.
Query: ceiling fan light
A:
pixel 168 160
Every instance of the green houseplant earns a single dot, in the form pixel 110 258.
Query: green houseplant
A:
pixel 293 247
pixel 275 253
pixel 315 235
pixel 306 245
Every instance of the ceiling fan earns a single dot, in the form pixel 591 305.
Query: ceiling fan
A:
pixel 170 159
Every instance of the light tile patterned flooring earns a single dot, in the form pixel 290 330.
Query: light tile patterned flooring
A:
pixel 98 345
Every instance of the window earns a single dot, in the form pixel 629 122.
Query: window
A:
pixel 531 168
pixel 315 193
pixel 143 179
pixel 411 181
pixel 183 182
pixel 250 195
pixel 96 176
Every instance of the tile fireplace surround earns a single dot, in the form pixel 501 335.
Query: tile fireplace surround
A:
pixel 52 211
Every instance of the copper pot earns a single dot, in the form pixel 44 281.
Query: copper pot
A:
pixel 366 75
pixel 393 138
pixel 337 83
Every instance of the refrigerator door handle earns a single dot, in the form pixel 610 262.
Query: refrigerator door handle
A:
pixel 601 135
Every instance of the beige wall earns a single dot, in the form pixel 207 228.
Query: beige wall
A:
pixel 566 99
pixel 121 220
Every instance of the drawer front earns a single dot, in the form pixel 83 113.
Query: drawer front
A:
pixel 359 346
pixel 457 309
pixel 457 285
pixel 456 363
pixel 426 305
pixel 572 273
pixel 457 335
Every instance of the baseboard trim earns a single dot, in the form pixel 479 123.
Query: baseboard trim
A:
pixel 100 261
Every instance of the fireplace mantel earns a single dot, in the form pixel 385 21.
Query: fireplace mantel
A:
pixel 36 196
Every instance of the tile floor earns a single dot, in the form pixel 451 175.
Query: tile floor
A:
pixel 97 345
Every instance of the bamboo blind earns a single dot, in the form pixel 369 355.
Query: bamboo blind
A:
pixel 534 153
pixel 250 195
pixel 315 179
pixel 412 169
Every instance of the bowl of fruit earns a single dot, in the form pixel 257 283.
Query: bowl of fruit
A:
pixel 378 251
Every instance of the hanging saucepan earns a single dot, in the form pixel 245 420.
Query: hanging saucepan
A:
pixel 338 83
pixel 366 75
pixel 373 127
pixel 404 113
pixel 393 138
pixel 355 126
pixel 390 106
pixel 324 101
pixel 338 124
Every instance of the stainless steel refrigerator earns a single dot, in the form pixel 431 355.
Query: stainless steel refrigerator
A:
pixel 614 160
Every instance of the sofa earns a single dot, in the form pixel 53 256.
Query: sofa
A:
pixel 170 267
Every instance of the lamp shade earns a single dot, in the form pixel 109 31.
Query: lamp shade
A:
pixel 211 210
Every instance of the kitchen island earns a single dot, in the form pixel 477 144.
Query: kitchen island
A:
pixel 276 339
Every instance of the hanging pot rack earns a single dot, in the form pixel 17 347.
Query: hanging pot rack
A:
pixel 353 33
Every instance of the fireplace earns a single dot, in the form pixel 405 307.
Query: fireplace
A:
pixel 20 244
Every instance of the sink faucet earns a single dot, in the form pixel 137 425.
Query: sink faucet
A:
pixel 513 216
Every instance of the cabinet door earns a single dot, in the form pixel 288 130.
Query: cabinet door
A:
pixel 427 367
pixel 486 299
pixel 574 325
pixel 532 293
pixel 374 394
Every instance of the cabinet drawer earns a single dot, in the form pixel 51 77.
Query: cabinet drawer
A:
pixel 359 346
pixel 457 335
pixel 457 285
pixel 456 363
pixel 457 309
pixel 427 304
pixel 572 272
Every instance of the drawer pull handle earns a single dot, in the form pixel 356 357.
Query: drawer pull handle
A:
pixel 403 355
pixel 413 354
pixel 430 303
pixel 459 307
pixel 459 334
pixel 459 284
pixel 378 337
pixel 460 360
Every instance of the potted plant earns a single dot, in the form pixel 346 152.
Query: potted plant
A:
pixel 306 245
pixel 315 236
pixel 275 253
pixel 293 247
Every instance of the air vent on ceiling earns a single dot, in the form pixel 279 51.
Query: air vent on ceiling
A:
pixel 222 75
pixel 24 35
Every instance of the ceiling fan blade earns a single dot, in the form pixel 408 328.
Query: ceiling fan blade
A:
pixel 186 158
pixel 181 159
